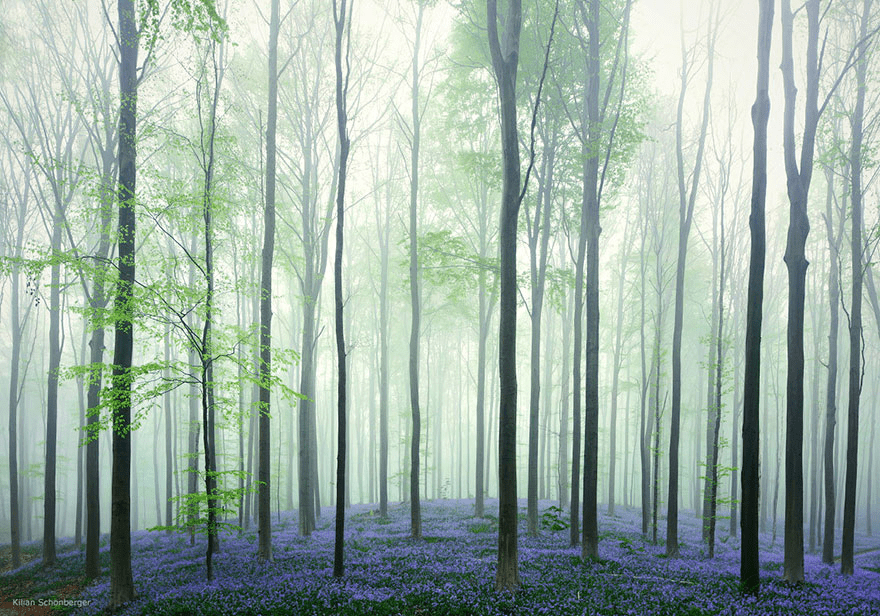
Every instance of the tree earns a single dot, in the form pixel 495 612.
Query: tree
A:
pixel 415 296
pixel 21 192
pixel 687 200
pixel 265 365
pixel 834 243
pixel 855 319
pixel 341 19
pixel 505 59
pixel 121 581
pixel 749 565
pixel 798 185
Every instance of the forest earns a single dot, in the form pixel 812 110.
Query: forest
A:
pixel 623 345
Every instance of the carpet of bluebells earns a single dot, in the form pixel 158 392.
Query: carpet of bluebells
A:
pixel 451 570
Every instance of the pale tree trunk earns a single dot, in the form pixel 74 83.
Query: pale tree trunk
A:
pixel 565 399
pixel 615 377
pixel 644 444
pixel 415 296
pixel 687 200
pixel 539 234
pixel 855 325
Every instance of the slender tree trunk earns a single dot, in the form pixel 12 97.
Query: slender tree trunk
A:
pixel 49 492
pixel 855 325
pixel 644 442
pixel 615 377
pixel 121 581
pixel 686 211
pixel 565 399
pixel 749 564
pixel 716 407
pixel 831 387
pixel 168 437
pixel 415 296
pixel 340 16
pixel 14 396
pixel 539 232
pixel 384 233
pixel 264 549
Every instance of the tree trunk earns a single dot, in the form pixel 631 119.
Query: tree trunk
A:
pixel 505 58
pixel 831 388
pixel 566 398
pixel 121 581
pixel 339 17
pixel 415 296
pixel 615 377
pixel 686 211
pixel 14 396
pixel 798 185
pixel 716 406
pixel 384 233
pixel 49 492
pixel 855 326
pixel 539 232
pixel 264 549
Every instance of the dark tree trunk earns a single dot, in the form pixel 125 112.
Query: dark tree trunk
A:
pixel 49 492
pixel 121 581
pixel 716 406
pixel 590 540
pixel 264 549
pixel 207 345
pixel 415 296
pixel 798 186
pixel 749 565
pixel 831 387
pixel 539 233
pixel 505 59
pixel 14 391
pixel 340 16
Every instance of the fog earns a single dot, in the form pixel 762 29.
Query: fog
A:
pixel 631 293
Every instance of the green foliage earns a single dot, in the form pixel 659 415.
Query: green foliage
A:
pixel 195 16
pixel 554 519
pixel 193 510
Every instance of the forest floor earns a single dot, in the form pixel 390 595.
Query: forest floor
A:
pixel 451 570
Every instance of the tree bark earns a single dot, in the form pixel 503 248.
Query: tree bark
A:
pixel 415 296
pixel 798 186
pixel 831 387
pixel 749 563
pixel 121 581
pixel 686 211
pixel 505 59
pixel 340 16
pixel 264 549
pixel 855 326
